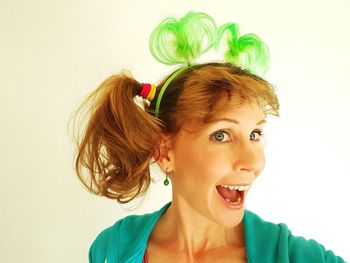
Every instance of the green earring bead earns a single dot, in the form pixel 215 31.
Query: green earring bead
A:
pixel 166 181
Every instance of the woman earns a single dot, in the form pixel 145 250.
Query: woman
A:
pixel 203 125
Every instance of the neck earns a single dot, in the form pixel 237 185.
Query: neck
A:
pixel 182 228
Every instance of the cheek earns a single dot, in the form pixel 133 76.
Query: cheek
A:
pixel 262 162
pixel 201 164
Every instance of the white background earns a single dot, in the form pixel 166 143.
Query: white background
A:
pixel 54 52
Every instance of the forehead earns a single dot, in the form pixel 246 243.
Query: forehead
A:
pixel 242 114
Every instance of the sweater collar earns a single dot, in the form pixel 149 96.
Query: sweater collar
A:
pixel 135 231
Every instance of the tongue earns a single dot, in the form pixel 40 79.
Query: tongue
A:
pixel 226 193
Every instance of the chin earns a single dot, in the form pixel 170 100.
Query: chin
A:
pixel 230 221
pixel 226 217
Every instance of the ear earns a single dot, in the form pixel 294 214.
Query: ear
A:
pixel 166 154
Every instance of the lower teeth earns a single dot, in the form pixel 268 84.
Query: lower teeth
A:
pixel 235 202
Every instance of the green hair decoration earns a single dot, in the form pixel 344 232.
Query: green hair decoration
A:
pixel 247 51
pixel 183 41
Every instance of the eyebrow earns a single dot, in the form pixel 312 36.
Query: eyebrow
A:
pixel 237 122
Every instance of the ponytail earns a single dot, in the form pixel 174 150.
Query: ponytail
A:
pixel 118 142
pixel 120 139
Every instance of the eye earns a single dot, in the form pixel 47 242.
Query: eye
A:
pixel 220 136
pixel 260 133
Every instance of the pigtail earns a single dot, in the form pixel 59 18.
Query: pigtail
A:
pixel 118 142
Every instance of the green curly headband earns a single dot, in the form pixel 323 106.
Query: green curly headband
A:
pixel 182 42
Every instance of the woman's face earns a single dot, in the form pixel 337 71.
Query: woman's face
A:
pixel 227 152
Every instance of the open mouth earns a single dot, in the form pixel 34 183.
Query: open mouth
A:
pixel 233 195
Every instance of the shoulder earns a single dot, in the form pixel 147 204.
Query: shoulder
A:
pixel 109 241
pixel 124 238
pixel 277 243
pixel 99 249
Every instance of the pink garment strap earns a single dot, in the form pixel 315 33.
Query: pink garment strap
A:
pixel 145 260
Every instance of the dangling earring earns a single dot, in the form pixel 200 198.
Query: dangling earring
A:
pixel 166 181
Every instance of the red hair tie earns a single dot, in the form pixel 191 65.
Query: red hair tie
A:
pixel 146 89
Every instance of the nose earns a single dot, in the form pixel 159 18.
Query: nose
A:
pixel 249 157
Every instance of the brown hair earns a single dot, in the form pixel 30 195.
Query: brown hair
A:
pixel 119 140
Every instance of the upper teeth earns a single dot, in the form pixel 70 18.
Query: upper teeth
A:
pixel 236 187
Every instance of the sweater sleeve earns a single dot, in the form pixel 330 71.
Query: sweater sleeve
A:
pixel 301 250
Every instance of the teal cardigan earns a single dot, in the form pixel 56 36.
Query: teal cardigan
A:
pixel 126 242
